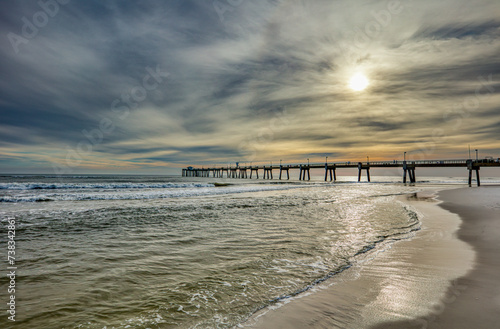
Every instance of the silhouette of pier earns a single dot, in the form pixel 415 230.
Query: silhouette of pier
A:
pixel 409 169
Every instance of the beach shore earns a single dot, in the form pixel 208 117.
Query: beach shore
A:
pixel 446 276
pixel 474 300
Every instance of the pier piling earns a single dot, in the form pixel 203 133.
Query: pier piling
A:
pixel 287 169
pixel 267 172
pixel 363 167
pixel 410 170
pixel 473 165
pixel 331 170
pixel 303 171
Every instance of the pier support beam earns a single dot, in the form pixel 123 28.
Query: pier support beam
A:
pixel 360 168
pixel 268 171
pixel 410 170
pixel 331 170
pixel 303 171
pixel 471 165
pixel 411 175
pixel 243 173
pixel 287 169
pixel 256 171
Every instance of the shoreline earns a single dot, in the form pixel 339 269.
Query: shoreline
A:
pixel 401 286
pixel 473 301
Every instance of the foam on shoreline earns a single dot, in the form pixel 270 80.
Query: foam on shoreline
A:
pixel 405 281
pixel 473 301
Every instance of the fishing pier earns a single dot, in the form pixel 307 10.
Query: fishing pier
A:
pixel 408 167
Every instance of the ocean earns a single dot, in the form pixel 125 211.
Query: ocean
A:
pixel 104 251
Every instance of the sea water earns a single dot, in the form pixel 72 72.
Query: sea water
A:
pixel 170 252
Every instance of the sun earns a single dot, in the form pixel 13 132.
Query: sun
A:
pixel 358 82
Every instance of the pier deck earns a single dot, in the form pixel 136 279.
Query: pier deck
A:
pixel 330 168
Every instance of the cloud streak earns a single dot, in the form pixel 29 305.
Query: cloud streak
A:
pixel 268 82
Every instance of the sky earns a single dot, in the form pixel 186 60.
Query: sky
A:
pixel 152 86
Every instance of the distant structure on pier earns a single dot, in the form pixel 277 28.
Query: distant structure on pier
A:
pixel 330 169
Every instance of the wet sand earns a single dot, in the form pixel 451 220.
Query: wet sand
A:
pixel 474 300
pixel 446 276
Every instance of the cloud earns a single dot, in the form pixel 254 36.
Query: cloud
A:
pixel 268 80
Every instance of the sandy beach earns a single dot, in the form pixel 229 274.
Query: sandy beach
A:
pixel 446 276
pixel 473 301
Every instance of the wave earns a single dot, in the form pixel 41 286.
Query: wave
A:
pixel 189 191
pixel 81 176
pixel 110 186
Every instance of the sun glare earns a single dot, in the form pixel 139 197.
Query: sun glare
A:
pixel 358 82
